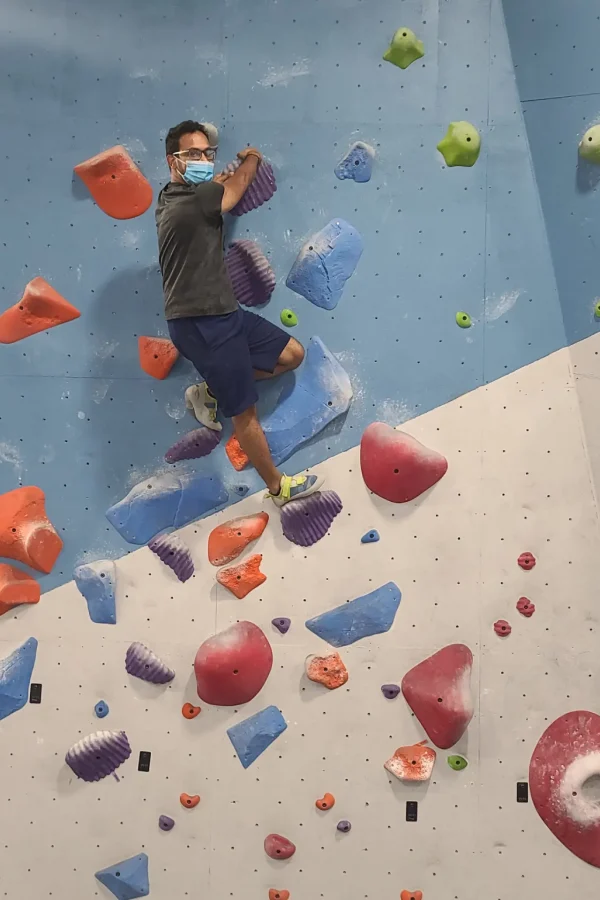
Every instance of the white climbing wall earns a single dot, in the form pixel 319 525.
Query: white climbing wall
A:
pixel 518 479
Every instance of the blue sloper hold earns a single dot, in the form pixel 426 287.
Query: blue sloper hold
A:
pixel 372 614
pixel 165 501
pixel 15 675
pixel 128 879
pixel 325 263
pixel 97 582
pixel 252 736
pixel 357 163
pixel 371 537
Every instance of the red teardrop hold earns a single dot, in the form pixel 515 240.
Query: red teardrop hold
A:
pixel 396 466
pixel 16 587
pixel 26 534
pixel 40 308
pixel 157 356
pixel 116 183
pixel 243 578
pixel 227 541
pixel 232 666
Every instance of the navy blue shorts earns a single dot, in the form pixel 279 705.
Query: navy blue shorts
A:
pixel 226 349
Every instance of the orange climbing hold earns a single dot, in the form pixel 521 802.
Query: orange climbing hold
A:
pixel 157 356
pixel 190 712
pixel 26 534
pixel 414 763
pixel 237 457
pixel 274 894
pixel 189 801
pixel 16 587
pixel 329 671
pixel 228 540
pixel 411 895
pixel 327 801
pixel 243 578
pixel 40 308
pixel 116 183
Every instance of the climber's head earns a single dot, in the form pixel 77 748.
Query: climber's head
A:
pixel 191 142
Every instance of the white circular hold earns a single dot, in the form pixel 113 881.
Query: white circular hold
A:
pixel 579 789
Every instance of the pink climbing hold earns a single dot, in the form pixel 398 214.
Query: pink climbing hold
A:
pixel 438 690
pixel 525 607
pixel 278 847
pixel 502 628
pixel 527 561
pixel 232 666
pixel 396 466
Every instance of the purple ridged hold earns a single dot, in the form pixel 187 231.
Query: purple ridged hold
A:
pixel 193 445
pixel 165 823
pixel 98 755
pixel 306 521
pixel 390 691
pixel 173 552
pixel 282 624
pixel 145 664
pixel 252 278
pixel 262 189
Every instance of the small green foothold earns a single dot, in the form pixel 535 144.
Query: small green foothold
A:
pixel 457 763
pixel 589 147
pixel 461 145
pixel 404 49
pixel 597 310
pixel 288 318
pixel 463 320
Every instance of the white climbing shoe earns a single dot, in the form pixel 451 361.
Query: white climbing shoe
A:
pixel 296 487
pixel 203 405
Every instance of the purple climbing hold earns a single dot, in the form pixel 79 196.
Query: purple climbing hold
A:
pixel 173 552
pixel 344 826
pixel 252 278
pixel 262 189
pixel 390 691
pixel 98 755
pixel 165 823
pixel 282 624
pixel 306 521
pixel 193 445
pixel 144 664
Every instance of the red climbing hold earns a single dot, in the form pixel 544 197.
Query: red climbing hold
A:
pixel 157 356
pixel 413 763
pixel 16 587
pixel 228 540
pixel 189 801
pixel 190 712
pixel 327 801
pixel 502 628
pixel 243 578
pixel 396 466
pixel 329 671
pixel 237 457
pixel 232 666
pixel 438 690
pixel 411 895
pixel 116 183
pixel 278 847
pixel 26 534
pixel 40 308
pixel 525 607
pixel 527 561
pixel 274 894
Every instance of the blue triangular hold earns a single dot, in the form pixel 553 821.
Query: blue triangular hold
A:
pixel 128 879
pixel 97 582
pixel 15 675
pixel 252 736
pixel 372 614
pixel 371 537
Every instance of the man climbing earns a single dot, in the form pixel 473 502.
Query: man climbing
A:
pixel 230 347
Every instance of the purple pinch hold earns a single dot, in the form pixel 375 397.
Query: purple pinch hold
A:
pixel 166 823
pixel 262 189
pixel 144 664
pixel 193 445
pixel 306 521
pixel 250 273
pixel 282 624
pixel 344 826
pixel 173 552
pixel 98 755
pixel 390 691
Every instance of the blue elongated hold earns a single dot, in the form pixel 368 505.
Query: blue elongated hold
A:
pixel 372 614
pixel 97 582
pixel 15 675
pixel 371 537
pixel 357 164
pixel 325 263
pixel 128 879
pixel 165 501
pixel 252 736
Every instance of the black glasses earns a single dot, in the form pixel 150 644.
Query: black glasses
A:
pixel 194 153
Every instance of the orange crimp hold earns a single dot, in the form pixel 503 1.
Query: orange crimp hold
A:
pixel 189 801
pixel 414 763
pixel 274 894
pixel 16 587
pixel 237 457
pixel 228 540
pixel 325 802
pixel 329 671
pixel 40 308
pixel 116 183
pixel 26 534
pixel 411 895
pixel 190 712
pixel 243 578
pixel 157 356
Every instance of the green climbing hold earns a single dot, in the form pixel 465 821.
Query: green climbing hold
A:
pixel 463 320
pixel 461 145
pixel 404 49
pixel 288 318
pixel 589 146
pixel 597 310
pixel 457 763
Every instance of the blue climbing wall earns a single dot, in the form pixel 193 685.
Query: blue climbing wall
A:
pixel 302 81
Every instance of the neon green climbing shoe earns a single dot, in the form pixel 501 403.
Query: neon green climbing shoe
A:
pixel 296 487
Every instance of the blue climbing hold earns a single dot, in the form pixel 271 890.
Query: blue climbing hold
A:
pixel 371 537
pixel 97 582
pixel 128 879
pixel 372 614
pixel 357 164
pixel 165 501
pixel 101 709
pixel 325 263
pixel 252 736
pixel 15 675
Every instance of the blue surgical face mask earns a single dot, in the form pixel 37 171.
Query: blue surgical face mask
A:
pixel 198 172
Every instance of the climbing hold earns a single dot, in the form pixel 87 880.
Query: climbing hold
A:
pixel 357 164
pixel 26 534
pixel 144 664
pixel 97 583
pixel 414 763
pixel 404 49
pixel 189 801
pixel 282 624
pixel 251 276
pixel 390 691
pixel 166 823
pixel 190 712
pixel 411 895
pixel 307 520
pixel 116 184
pixel 251 737
pixel 232 666
pixel 563 775
pixel 16 587
pixel 165 501
pixel 589 146
pixel 438 690
pixel 325 263
pixel 370 614
pixel 327 801
pixel 320 393
pixel 278 847
pixel 172 551
pixel 329 671
pixel 98 755
pixel 502 628
pixel 157 356
pixel 275 894
pixel 344 826
pixel 463 320
pixel 101 709
pixel 40 308
pixel 227 541
pixel 396 466
pixel 458 763
pixel 461 144
pixel 527 561
pixel 15 675
pixel 371 537
pixel 194 445
pixel 289 318
pixel 127 879
pixel 260 191
pixel 243 578
pixel 597 310
pixel 525 607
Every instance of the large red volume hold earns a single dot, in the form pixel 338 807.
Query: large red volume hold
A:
pixel 227 541
pixel 396 466
pixel 232 666
pixel 157 356
pixel 16 587
pixel 26 534
pixel 40 308
pixel 116 183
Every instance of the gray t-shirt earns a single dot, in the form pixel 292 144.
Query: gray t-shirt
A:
pixel 190 251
